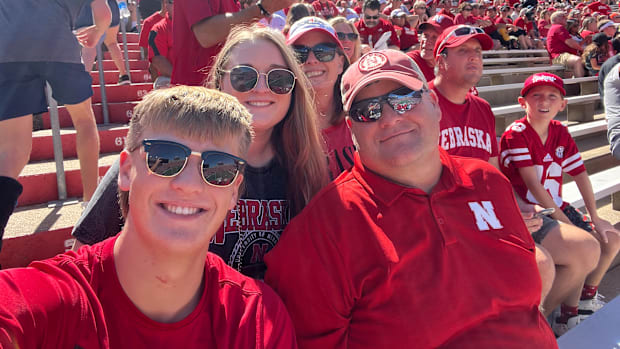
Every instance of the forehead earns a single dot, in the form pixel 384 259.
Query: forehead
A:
pixel 370 11
pixel 245 53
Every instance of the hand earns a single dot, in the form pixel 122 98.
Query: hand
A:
pixel 89 36
pixel 602 228
pixel 532 222
pixel 275 5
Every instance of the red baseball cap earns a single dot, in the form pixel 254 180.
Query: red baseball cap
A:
pixel 380 65
pixel 308 24
pixel 543 79
pixel 456 35
pixel 437 22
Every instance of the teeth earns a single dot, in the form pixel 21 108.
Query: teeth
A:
pixel 312 74
pixel 180 210
pixel 259 104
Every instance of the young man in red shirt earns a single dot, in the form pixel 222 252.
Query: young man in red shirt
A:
pixel 372 27
pixel 156 285
pixel 562 48
pixel 429 32
pixel 422 253
pixel 148 24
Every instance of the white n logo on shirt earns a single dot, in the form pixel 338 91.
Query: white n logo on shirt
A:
pixel 485 215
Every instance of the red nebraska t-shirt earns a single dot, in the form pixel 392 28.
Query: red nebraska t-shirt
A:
pixel 192 61
pixel 555 41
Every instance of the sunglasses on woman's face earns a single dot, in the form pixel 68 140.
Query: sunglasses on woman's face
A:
pixel 346 36
pixel 168 159
pixel 324 52
pixel 400 100
pixel 244 78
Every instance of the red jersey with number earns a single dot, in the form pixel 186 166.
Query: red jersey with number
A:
pixel 77 301
pixel 599 7
pixel 522 147
pixel 326 10
pixel 147 24
pixel 340 148
pixel 370 36
pixel 192 61
pixel 373 264
pixel 467 129
pixel 427 69
pixel 556 41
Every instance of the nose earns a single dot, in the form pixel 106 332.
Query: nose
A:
pixel 311 58
pixel 389 116
pixel 261 83
pixel 190 179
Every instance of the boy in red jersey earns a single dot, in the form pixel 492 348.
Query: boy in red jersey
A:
pixel 535 151
pixel 155 285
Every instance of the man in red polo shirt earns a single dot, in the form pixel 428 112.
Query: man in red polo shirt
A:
pixel 201 27
pixel 429 31
pixel 562 48
pixel 372 26
pixel 411 248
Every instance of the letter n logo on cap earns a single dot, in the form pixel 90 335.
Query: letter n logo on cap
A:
pixel 372 61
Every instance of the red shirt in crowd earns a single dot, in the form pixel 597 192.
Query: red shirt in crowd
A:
pixel 77 301
pixel 340 148
pixel 541 28
pixel 521 147
pixel 373 264
pixel 502 20
pixel 460 19
pixel 599 7
pixel 491 28
pixel 373 34
pixel 467 129
pixel 147 24
pixel 520 22
pixel 192 61
pixel 408 37
pixel 556 38
pixel 326 10
pixel 160 40
pixel 427 69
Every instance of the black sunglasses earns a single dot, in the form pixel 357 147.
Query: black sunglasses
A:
pixel 347 36
pixel 244 78
pixel 168 159
pixel 371 17
pixel 324 52
pixel 400 100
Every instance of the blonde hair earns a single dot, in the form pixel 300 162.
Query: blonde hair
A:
pixel 193 112
pixel 296 140
pixel 419 4
pixel 357 51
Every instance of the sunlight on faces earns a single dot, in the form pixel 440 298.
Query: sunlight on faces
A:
pixel 463 64
pixel 543 102
pixel 396 140
pixel 182 213
pixel 349 46
pixel 427 43
pixel 370 22
pixel 322 75
pixel 266 107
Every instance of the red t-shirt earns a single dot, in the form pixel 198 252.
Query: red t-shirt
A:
pixel 491 28
pixel 427 69
pixel 599 7
pixel 460 19
pixel 326 10
pixel 522 147
pixel 76 300
pixel 340 148
pixel 388 266
pixel 192 61
pixel 541 28
pixel 358 10
pixel 160 41
pixel 147 24
pixel 502 20
pixel 373 34
pixel 408 37
pixel 556 38
pixel 520 22
pixel 467 129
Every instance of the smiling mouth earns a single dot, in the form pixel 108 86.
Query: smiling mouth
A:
pixel 543 110
pixel 259 103
pixel 181 210
pixel 395 135
pixel 314 73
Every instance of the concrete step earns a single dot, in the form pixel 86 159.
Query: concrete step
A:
pixel 131 38
pixel 119 113
pixel 39 179
pixel 132 54
pixel 111 139
pixel 122 93
pixel 134 64
pixel 111 77
pixel 133 46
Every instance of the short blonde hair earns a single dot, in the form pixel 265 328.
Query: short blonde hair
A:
pixel 419 4
pixel 193 112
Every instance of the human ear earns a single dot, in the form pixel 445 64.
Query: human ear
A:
pixel 521 101
pixel 124 171
pixel 564 102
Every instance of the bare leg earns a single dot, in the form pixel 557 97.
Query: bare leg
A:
pixel 15 145
pixel 608 253
pixel 115 51
pixel 87 144
pixel 546 268
pixel 88 57
pixel 576 66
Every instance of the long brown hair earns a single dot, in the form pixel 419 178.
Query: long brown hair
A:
pixel 296 140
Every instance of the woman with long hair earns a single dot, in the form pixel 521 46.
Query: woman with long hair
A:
pixel 285 162
pixel 323 61
pixel 348 36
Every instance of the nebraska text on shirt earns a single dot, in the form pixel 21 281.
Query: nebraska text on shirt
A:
pixel 455 137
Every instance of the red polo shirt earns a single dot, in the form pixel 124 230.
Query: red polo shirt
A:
pixel 556 38
pixel 192 61
pixel 160 40
pixel 372 264
pixel 375 32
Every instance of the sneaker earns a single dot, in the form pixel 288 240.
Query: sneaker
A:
pixel 588 307
pixel 124 80
pixel 561 328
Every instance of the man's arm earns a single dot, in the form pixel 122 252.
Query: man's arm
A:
pixel 89 36
pixel 213 30
pixel 532 182
pixel 573 44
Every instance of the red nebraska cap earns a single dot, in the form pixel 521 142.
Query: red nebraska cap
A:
pixel 437 22
pixel 457 35
pixel 380 65
pixel 543 79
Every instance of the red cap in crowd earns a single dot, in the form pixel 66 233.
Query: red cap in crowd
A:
pixel 458 34
pixel 543 79
pixel 437 22
pixel 380 65
pixel 308 24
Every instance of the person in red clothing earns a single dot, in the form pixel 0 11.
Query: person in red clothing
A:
pixel 372 27
pixel 156 285
pixel 147 24
pixel 562 48
pixel 544 23
pixel 429 31
pixel 200 27
pixel 354 274
pixel 407 36
pixel 525 27
pixel 160 48
pixel 464 15
pixel 601 7
pixel 325 9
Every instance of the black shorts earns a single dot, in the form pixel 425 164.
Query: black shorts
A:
pixel 23 86
pixel 578 218
pixel 548 224
pixel 518 32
